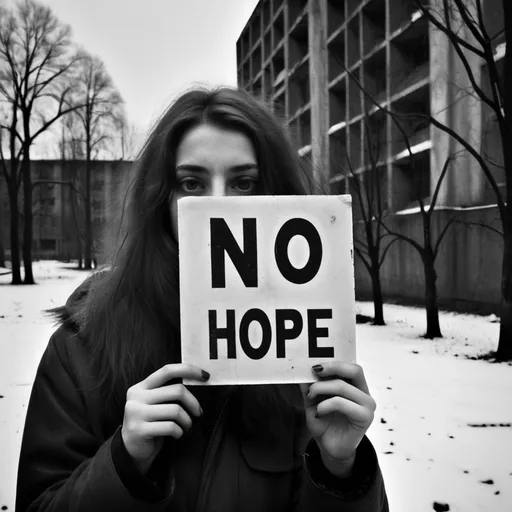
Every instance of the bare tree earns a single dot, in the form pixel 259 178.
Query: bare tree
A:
pixel 454 18
pixel 72 148
pixel 102 113
pixel 428 250
pixel 9 95
pixel 36 58
pixel 370 243
pixel 428 247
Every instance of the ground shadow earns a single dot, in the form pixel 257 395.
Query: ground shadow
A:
pixel 490 357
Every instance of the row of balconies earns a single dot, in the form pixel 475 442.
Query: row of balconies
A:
pixel 365 19
pixel 404 60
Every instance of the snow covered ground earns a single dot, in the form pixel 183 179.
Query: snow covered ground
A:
pixel 443 427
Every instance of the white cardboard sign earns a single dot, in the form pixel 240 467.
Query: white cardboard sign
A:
pixel 266 286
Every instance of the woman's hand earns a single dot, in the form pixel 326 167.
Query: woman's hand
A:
pixel 339 411
pixel 154 410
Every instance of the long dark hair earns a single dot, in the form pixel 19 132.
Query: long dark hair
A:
pixel 130 318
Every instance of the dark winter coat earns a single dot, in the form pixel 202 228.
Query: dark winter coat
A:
pixel 73 458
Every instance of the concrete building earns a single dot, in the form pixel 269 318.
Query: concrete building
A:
pixel 58 223
pixel 311 60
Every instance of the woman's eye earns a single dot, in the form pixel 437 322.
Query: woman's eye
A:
pixel 191 185
pixel 245 185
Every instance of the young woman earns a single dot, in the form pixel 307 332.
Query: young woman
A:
pixel 110 426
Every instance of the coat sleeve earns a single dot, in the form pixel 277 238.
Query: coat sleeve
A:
pixel 63 465
pixel 317 489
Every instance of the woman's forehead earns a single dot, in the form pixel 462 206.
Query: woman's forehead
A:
pixel 206 142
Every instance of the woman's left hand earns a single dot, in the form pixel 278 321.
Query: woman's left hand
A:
pixel 339 411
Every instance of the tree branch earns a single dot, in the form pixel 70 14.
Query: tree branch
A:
pixel 482 225
pixel 469 21
pixel 385 251
pixel 405 238
pixel 438 185
pixel 357 187
pixel 12 130
pixel 441 236
pixel 443 29
pixel 469 71
pixel 56 182
pixel 478 158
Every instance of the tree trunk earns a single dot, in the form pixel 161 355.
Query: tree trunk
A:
pixel 504 352
pixel 2 251
pixel 28 223
pixel 378 315
pixel 88 221
pixel 432 309
pixel 15 240
pixel 80 253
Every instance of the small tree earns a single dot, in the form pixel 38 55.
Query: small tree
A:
pixel 3 168
pixel 370 243
pixel 428 250
pixel 99 116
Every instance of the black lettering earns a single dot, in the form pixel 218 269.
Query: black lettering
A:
pixel 282 333
pixel 246 262
pixel 290 229
pixel 315 332
pixel 255 315
pixel 227 333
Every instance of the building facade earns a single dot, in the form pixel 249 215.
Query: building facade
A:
pixel 58 205
pixel 327 66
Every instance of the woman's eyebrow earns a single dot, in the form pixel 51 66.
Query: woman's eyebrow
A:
pixel 244 167
pixel 191 168
pixel 201 169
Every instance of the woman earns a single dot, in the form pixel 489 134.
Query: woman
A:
pixel 110 426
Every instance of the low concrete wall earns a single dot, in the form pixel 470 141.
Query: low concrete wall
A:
pixel 468 265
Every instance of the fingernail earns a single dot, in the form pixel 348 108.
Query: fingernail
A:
pixel 200 411
pixel 318 368
pixel 205 375
pixel 309 395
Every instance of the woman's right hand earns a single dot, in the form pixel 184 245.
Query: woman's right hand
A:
pixel 154 410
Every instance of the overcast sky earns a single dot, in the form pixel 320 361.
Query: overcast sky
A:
pixel 154 49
